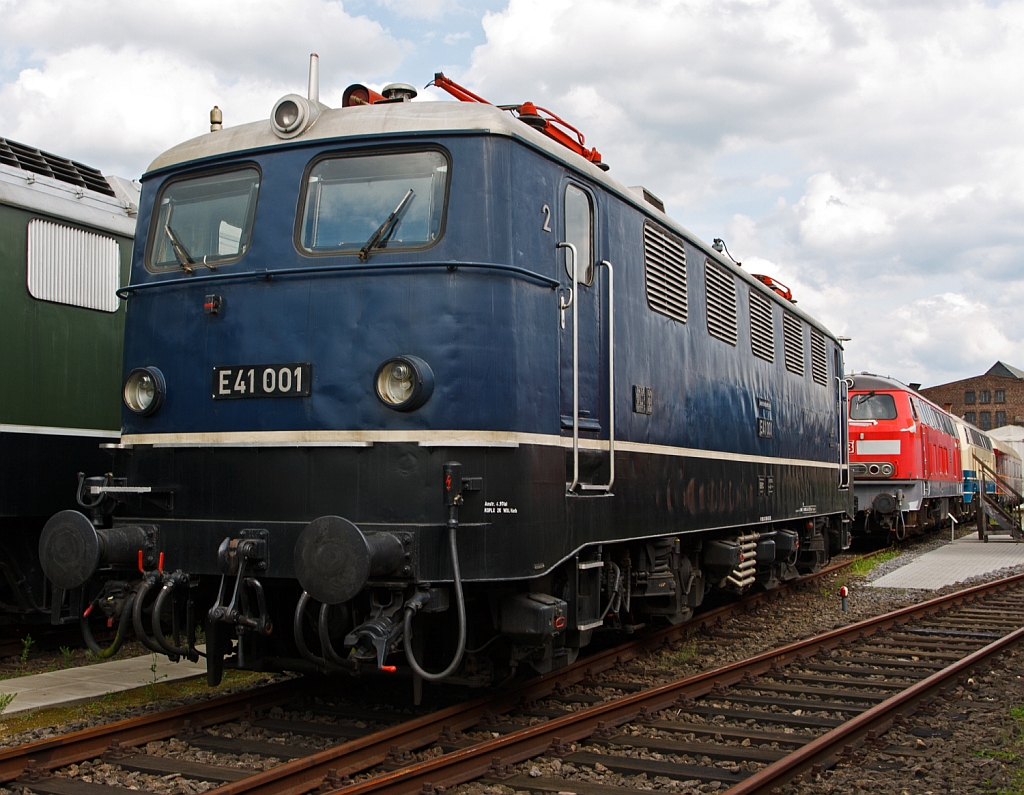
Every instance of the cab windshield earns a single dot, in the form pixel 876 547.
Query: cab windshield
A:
pixel 871 406
pixel 204 221
pixel 367 203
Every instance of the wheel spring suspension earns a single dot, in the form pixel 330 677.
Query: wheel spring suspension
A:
pixel 746 572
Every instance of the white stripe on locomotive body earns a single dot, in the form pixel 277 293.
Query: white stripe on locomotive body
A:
pixel 48 430
pixel 878 447
pixel 441 439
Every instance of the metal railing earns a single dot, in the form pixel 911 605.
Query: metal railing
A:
pixel 989 505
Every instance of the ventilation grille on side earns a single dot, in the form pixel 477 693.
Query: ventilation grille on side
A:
pixel 28 158
pixel 819 358
pixel 721 294
pixel 762 332
pixel 71 266
pixel 793 337
pixel 665 269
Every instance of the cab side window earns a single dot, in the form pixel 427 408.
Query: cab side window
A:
pixel 579 230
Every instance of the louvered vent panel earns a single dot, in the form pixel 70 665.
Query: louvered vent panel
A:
pixel 665 268
pixel 71 266
pixel 793 338
pixel 29 158
pixel 721 294
pixel 762 333
pixel 819 358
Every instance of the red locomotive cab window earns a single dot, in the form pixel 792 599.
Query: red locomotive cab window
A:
pixel 872 406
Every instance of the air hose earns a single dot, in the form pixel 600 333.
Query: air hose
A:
pixel 297 631
pixel 415 604
pixel 140 630
pixel 122 628
pixel 172 651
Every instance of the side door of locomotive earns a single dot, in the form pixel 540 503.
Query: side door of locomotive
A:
pixel 584 339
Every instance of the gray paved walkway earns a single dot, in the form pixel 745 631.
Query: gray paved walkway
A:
pixel 965 558
pixel 79 685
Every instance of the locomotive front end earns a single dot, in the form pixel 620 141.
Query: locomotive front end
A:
pixel 321 389
pixel 904 457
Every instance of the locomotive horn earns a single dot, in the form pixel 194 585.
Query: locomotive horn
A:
pixel 334 558
pixel 71 549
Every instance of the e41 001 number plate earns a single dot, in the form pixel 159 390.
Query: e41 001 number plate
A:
pixel 262 381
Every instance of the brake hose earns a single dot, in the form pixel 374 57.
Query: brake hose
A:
pixel 122 628
pixel 460 601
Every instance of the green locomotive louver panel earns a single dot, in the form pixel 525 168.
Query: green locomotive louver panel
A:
pixel 721 300
pixel 665 273
pixel 793 340
pixel 72 266
pixel 819 357
pixel 762 332
pixel 29 158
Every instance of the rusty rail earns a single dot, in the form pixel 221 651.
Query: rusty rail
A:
pixel 477 760
pixel 878 719
pixel 90 743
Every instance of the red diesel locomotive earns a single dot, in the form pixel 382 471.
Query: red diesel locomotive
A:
pixel 904 458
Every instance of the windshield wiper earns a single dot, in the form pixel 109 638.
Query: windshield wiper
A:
pixel 379 239
pixel 180 252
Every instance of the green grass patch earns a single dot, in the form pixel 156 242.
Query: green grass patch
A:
pixel 686 653
pixel 864 566
pixel 140 696
pixel 1012 753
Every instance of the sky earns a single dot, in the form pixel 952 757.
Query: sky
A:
pixel 869 155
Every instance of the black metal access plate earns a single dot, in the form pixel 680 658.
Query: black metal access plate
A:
pixel 262 381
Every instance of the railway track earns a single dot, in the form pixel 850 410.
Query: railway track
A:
pixel 752 725
pixel 368 741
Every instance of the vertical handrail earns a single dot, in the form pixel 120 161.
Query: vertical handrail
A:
pixel 844 432
pixel 611 387
pixel 575 369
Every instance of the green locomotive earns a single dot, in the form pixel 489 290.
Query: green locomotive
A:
pixel 66 235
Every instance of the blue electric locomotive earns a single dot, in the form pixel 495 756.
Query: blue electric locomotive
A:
pixel 405 369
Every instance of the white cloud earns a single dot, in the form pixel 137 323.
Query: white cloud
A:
pixel 832 213
pixel 113 83
pixel 100 106
pixel 772 181
pixel 455 38
pixel 891 131
pixel 258 39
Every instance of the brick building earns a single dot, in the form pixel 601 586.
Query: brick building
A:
pixel 989 401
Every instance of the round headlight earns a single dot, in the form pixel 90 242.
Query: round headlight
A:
pixel 144 390
pixel 292 115
pixel 404 383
